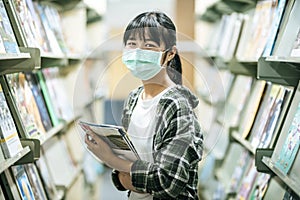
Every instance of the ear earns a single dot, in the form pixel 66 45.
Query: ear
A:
pixel 170 55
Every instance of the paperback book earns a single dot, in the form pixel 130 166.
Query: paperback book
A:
pixel 115 136
pixel 23 183
pixel 8 43
pixel 9 139
pixel 291 144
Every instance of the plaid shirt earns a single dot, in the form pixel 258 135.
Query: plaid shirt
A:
pixel 177 146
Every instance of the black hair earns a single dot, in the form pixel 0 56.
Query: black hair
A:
pixel 159 28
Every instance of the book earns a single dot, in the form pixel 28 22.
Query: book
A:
pixel 288 91
pixel 9 138
pixel 49 103
pixel 296 47
pixel 36 91
pixel 1 194
pixel 26 105
pixel 251 107
pixel 115 136
pixel 35 181
pixel 46 178
pixel 23 183
pixel 260 186
pixel 10 189
pixel 274 28
pixel 59 161
pixel 6 33
pixel 260 28
pixel 52 40
pixel 263 115
pixel 57 93
pixel 248 181
pixel 291 144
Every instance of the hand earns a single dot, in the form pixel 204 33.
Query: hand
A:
pixel 125 180
pixel 98 147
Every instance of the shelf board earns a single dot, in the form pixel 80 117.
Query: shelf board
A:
pixel 284 71
pixel 53 60
pixel 27 60
pixel 10 161
pixel 243 142
pixel 55 130
pixel 243 67
pixel 291 183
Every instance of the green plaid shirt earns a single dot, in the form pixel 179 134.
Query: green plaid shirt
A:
pixel 177 146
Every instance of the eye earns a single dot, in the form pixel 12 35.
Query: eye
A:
pixel 131 44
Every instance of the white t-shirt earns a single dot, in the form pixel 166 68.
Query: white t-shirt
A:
pixel 141 131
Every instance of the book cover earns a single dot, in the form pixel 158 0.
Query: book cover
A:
pixel 274 28
pixel 6 32
pixel 260 28
pixel 9 139
pixel 54 21
pixel 23 183
pixel 11 188
pixel 27 24
pixel 260 186
pixel 251 107
pixel 238 172
pixel 26 105
pixel 275 112
pixel 263 115
pixel 57 94
pixel 52 40
pixel 115 136
pixel 48 101
pixel 40 34
pixel 36 91
pixel 248 181
pixel 2 197
pixel 35 181
pixel 296 47
pixel 291 144
pixel 59 161
pixel 46 178
pixel 2 48
pixel 288 91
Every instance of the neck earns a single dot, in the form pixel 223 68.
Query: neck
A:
pixel 156 85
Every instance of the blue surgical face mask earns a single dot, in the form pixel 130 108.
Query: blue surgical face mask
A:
pixel 143 64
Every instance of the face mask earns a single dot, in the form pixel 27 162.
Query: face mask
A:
pixel 143 64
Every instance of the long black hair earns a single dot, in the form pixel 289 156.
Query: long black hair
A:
pixel 159 28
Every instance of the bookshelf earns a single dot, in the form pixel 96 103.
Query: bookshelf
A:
pixel 265 57
pixel 42 65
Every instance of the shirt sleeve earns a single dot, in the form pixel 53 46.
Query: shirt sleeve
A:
pixel 175 158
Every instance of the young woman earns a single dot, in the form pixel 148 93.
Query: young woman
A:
pixel 158 117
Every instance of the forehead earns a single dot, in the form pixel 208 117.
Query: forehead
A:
pixel 144 34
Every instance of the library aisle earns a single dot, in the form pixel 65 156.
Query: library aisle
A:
pixel 61 64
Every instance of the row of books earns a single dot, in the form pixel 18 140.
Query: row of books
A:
pixel 248 36
pixel 258 111
pixel 41 26
pixel 41 179
pixel 42 104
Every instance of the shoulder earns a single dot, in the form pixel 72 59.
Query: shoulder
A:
pixel 180 96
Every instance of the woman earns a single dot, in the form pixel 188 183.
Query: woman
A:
pixel 158 117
